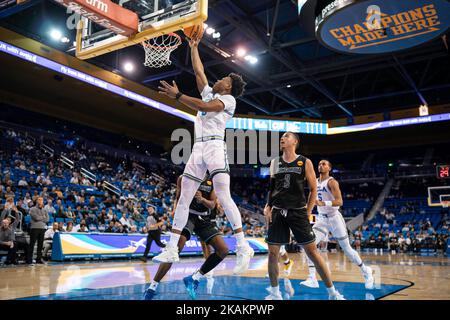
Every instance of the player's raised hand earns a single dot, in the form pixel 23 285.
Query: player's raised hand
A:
pixel 167 89
pixel 268 214
pixel 193 43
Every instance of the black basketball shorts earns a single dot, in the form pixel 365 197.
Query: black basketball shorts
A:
pixel 286 220
pixel 202 226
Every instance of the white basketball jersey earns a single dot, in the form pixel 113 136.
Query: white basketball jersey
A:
pixel 213 124
pixel 324 194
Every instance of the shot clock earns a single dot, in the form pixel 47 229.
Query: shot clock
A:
pixel 443 171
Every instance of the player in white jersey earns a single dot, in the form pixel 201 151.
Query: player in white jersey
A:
pixel 209 152
pixel 330 220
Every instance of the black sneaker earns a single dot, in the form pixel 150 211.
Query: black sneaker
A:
pixel 40 262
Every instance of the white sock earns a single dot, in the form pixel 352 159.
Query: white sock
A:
pixel 173 242
pixel 275 290
pixel 197 275
pixel 312 272
pixel 153 285
pixel 240 239
pixel 332 291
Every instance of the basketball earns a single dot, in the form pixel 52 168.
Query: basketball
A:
pixel 194 32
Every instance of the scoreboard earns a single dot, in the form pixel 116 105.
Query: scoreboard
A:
pixel 442 171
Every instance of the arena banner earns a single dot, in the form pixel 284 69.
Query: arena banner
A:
pixel 389 124
pixel 7 3
pixel 110 245
pixel 235 123
pixel 106 14
pixel 380 26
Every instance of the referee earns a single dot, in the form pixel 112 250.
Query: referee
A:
pixel 154 231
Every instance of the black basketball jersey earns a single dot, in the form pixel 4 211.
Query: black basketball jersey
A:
pixel 289 179
pixel 206 189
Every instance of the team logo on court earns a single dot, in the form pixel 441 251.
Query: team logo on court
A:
pixel 300 163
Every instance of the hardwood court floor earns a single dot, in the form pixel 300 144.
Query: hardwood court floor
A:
pixel 397 277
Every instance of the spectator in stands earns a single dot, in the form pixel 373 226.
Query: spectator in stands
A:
pixel 61 227
pixel 22 182
pixel 137 216
pixel 44 194
pixel 119 228
pixel 40 180
pixel 47 181
pixel 92 206
pixel 133 230
pixel 110 214
pixel 60 209
pixel 74 179
pixel 49 207
pixel 102 217
pixel 85 182
pixel 70 214
pixel 58 193
pixel 110 228
pixel 9 193
pixel 39 219
pixel 91 219
pixel 125 221
pixel 69 227
pixel 7 238
pixel 48 239
pixel 114 201
pixel 83 228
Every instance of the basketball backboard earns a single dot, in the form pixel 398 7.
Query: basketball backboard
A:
pixel 438 196
pixel 155 18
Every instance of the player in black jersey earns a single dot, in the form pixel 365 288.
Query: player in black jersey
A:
pixel 288 210
pixel 199 222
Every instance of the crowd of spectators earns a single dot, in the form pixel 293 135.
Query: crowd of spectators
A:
pixel 33 179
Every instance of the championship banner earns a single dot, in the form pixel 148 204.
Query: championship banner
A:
pixel 375 26
pixel 110 245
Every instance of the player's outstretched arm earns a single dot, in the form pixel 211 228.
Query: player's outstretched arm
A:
pixel 312 183
pixel 196 104
pixel 197 64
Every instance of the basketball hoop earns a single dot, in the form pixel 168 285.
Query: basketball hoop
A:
pixel 445 204
pixel 158 50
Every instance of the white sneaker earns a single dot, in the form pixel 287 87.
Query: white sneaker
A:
pixel 168 255
pixel 368 277
pixel 310 282
pixel 243 259
pixel 273 296
pixel 336 296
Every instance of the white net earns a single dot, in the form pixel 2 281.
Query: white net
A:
pixel 158 50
